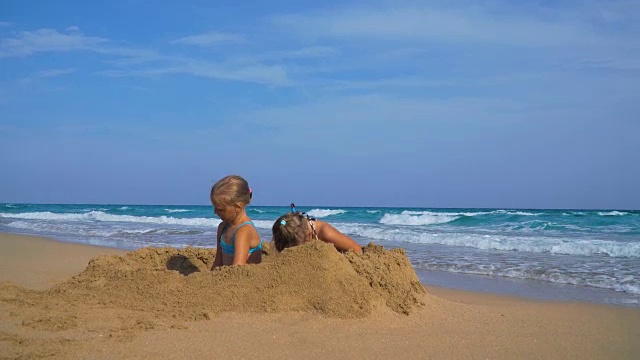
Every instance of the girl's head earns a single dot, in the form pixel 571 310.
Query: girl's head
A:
pixel 230 193
pixel 291 230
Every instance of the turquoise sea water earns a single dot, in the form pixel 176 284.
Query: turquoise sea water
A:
pixel 591 255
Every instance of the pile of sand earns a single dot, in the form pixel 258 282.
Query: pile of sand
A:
pixel 164 287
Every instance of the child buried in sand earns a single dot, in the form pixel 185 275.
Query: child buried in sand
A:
pixel 296 228
pixel 238 241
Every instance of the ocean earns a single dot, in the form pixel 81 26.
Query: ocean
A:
pixel 577 255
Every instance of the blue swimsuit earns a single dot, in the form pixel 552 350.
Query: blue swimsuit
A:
pixel 230 249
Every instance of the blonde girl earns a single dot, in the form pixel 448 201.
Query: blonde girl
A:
pixel 238 241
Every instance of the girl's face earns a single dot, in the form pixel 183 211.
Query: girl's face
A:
pixel 226 212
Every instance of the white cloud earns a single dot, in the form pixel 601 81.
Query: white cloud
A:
pixel 307 52
pixel 114 73
pixel 389 84
pixel 621 64
pixel 135 61
pixel 210 39
pixel 304 53
pixel 409 46
pixel 27 43
pixel 256 73
pixel 467 24
pixel 46 40
pixel 44 74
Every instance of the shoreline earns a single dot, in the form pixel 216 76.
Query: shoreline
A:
pixel 452 324
pixel 525 289
pixel 20 264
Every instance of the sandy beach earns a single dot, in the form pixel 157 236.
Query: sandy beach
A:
pixel 69 301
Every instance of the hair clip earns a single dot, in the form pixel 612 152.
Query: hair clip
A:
pixel 283 222
pixel 293 210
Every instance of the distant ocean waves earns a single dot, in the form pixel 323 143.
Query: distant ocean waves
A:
pixel 598 249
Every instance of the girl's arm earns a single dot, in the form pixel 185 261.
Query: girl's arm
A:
pixel 217 262
pixel 328 233
pixel 242 244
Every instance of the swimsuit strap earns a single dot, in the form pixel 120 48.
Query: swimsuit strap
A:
pixel 315 234
pixel 233 236
pixel 230 248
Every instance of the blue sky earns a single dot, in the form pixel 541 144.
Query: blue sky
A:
pixel 427 104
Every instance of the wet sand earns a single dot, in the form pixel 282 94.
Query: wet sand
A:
pixel 56 302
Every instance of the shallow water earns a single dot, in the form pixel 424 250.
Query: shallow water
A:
pixel 586 255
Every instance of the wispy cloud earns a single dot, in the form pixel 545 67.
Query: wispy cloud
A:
pixel 27 43
pixel 373 48
pixel 44 74
pixel 463 43
pixel 210 39
pixel 307 52
pixel 46 40
pixel 256 73
pixel 621 64
pixel 5 24
pixel 390 83
pixel 132 61
pixel 486 24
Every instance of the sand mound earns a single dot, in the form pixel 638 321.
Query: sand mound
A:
pixel 163 287
pixel 389 273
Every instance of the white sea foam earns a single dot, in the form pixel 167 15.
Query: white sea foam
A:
pixel 373 211
pixel 417 220
pixel 152 231
pixel 520 213
pixel 263 224
pixel 469 213
pixel 550 276
pixel 538 226
pixel 321 213
pixel 124 208
pixel 101 216
pixel 176 210
pixel 438 213
pixel 612 213
pixel 85 229
pixel 533 244
pixel 25 225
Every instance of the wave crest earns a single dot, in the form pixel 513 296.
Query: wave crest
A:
pixel 321 213
pixel 612 213
pixel 412 218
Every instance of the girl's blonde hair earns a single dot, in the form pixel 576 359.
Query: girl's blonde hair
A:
pixel 290 230
pixel 232 189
